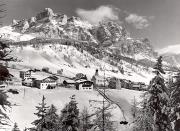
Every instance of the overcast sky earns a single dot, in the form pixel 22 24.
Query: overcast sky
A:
pixel 158 20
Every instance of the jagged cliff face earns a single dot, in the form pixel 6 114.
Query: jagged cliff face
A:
pixel 51 25
pixel 109 35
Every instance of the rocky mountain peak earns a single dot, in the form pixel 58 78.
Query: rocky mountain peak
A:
pixel 108 34
pixel 14 22
pixel 73 19
pixel 47 13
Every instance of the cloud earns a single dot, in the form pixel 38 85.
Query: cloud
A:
pixel 139 22
pixel 174 49
pixel 99 14
pixel 104 12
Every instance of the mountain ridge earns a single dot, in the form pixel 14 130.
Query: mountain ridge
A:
pixel 108 39
pixel 108 33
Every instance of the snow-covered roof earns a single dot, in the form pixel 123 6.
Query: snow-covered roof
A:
pixel 82 80
pixel 25 70
pixel 70 81
pixel 38 77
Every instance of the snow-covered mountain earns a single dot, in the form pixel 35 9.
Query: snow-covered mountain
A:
pixel 171 54
pixel 51 25
pixel 58 40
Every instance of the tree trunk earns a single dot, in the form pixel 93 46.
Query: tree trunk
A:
pixel 156 126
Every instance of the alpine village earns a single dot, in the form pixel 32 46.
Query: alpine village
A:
pixel 62 73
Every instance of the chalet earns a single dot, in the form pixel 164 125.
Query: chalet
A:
pixel 28 82
pixel 60 80
pixel 25 74
pixel 47 83
pixel 136 85
pixel 85 85
pixel 69 83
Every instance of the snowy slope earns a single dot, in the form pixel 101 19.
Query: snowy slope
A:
pixel 72 62
pixel 171 54
pixel 25 102
pixel 7 32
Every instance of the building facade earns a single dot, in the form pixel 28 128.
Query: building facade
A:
pixel 25 74
pixel 47 83
pixel 99 81
pixel 84 85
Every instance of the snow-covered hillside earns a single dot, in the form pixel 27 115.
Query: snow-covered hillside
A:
pixel 25 102
pixel 72 61
pixel 75 46
pixel 7 33
pixel 171 54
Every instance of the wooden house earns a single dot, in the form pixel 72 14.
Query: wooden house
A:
pixel 25 74
pixel 60 80
pixel 30 82
pixel 69 83
pixel 85 85
pixel 47 83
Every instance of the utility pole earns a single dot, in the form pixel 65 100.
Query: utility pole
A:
pixel 103 117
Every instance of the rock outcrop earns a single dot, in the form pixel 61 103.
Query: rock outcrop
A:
pixel 107 34
pixel 14 22
pixel 46 14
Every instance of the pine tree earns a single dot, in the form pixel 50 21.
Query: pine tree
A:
pixel 112 83
pixel 85 120
pixel 15 128
pixel 108 124
pixel 4 103
pixel 175 103
pixel 41 114
pixel 158 99
pixel 70 116
pixel 5 56
pixel 158 66
pixel 144 117
pixel 134 108
pixel 52 119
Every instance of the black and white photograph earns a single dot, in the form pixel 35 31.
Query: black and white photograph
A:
pixel 89 65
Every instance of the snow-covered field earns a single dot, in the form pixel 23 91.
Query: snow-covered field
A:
pixel 68 58
pixel 25 102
